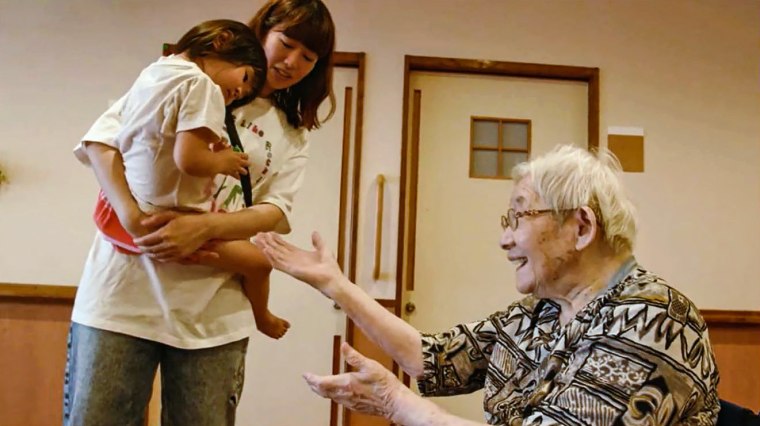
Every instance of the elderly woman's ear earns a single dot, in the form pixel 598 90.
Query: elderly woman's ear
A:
pixel 587 227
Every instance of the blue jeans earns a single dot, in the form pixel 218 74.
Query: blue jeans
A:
pixel 109 379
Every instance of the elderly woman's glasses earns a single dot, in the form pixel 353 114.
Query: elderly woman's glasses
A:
pixel 511 220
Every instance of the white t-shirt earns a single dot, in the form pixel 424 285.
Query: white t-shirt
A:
pixel 171 95
pixel 278 154
pixel 190 307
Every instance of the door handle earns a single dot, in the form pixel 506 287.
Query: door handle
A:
pixel 410 307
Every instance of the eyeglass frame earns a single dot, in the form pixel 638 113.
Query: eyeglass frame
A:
pixel 527 213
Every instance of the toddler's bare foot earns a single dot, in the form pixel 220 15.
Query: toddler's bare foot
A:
pixel 271 325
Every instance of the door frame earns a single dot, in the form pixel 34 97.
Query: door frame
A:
pixel 410 142
pixel 356 60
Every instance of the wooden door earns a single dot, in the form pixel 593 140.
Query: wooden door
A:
pixel 451 268
pixel 275 393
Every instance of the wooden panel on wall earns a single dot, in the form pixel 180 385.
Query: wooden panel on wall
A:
pixel 735 337
pixel 34 323
pixel 33 333
pixel 629 149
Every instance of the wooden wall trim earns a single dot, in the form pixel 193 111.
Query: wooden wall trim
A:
pixel 726 317
pixel 344 166
pixel 68 292
pixel 387 303
pixel 348 59
pixel 403 218
pixel 37 291
pixel 414 160
pixel 335 370
pixel 589 75
pixel 593 109
pixel 517 69
pixel 360 61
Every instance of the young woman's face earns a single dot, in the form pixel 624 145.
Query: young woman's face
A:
pixel 289 61
pixel 235 81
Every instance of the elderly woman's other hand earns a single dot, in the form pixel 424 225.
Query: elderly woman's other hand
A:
pixel 371 389
pixel 317 268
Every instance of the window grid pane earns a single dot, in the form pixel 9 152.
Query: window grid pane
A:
pixel 514 136
pixel 485 134
pixel 497 145
pixel 510 160
pixel 484 163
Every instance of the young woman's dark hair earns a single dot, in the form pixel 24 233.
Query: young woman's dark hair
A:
pixel 309 22
pixel 229 41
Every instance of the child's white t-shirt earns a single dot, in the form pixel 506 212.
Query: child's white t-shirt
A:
pixel 190 306
pixel 170 96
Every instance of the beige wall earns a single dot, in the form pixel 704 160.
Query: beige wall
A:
pixel 687 72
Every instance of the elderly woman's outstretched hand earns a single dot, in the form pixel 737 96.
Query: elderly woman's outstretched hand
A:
pixel 371 389
pixel 317 268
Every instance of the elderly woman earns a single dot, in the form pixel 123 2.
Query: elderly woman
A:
pixel 598 340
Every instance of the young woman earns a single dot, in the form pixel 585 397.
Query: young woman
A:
pixel 133 313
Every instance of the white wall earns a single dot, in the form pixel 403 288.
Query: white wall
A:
pixel 687 72
pixel 61 63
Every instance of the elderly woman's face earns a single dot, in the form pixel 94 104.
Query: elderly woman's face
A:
pixel 540 247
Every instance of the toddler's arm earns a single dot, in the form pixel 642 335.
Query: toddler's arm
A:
pixel 108 166
pixel 193 156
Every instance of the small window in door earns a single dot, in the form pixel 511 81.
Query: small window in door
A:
pixel 497 145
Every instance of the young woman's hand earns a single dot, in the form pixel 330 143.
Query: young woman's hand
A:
pixel 175 236
pixel 317 268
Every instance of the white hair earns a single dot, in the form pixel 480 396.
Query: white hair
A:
pixel 569 177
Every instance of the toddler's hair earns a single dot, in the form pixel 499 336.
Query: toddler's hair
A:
pixel 229 41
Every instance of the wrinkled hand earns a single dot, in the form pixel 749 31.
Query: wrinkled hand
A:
pixel 372 389
pixel 175 237
pixel 232 163
pixel 317 268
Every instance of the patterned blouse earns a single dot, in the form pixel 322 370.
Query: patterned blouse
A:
pixel 638 354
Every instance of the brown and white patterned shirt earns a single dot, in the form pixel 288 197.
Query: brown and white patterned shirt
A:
pixel 639 354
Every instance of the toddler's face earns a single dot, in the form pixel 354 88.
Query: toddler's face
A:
pixel 235 81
